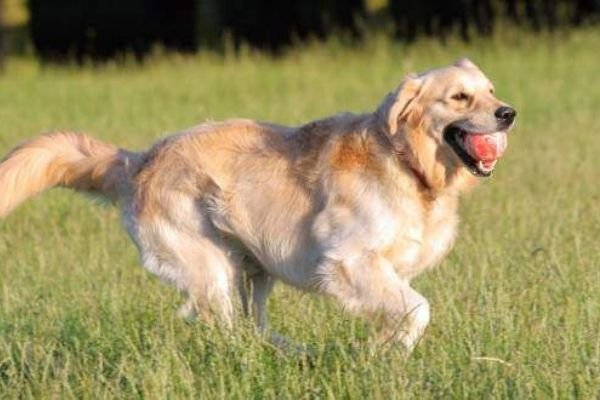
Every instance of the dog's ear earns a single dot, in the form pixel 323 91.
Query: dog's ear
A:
pixel 398 105
pixel 465 63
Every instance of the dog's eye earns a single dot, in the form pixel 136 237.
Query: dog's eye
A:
pixel 460 96
pixel 492 90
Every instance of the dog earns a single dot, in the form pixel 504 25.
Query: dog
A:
pixel 352 206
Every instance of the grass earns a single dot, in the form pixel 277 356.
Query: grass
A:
pixel 516 306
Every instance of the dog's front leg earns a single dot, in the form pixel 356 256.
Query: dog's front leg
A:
pixel 368 285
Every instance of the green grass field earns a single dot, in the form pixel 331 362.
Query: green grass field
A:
pixel 516 306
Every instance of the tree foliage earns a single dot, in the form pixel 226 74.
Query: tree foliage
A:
pixel 104 28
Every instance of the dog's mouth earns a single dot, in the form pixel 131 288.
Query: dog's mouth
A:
pixel 478 151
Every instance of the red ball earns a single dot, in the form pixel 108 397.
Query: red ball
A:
pixel 486 147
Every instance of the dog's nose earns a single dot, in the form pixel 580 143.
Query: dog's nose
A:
pixel 505 114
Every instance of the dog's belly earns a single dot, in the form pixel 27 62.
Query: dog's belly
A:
pixel 273 226
pixel 291 239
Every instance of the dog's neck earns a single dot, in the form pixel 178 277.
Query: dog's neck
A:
pixel 433 177
pixel 420 177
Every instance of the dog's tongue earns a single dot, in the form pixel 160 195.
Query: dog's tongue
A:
pixel 486 147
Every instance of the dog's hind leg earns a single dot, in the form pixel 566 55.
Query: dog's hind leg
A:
pixel 210 282
pixel 199 265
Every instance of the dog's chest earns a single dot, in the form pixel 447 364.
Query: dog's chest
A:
pixel 424 239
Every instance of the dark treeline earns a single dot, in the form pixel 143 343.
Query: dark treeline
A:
pixel 2 34
pixel 272 25
pixel 99 29
pixel 469 17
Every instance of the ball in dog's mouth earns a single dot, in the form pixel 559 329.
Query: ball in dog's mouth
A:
pixel 478 151
pixel 486 148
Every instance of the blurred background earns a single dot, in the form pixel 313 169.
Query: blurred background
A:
pixel 61 30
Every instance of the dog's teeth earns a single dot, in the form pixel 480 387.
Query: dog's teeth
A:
pixel 482 167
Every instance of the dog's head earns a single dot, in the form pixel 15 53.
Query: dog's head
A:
pixel 449 121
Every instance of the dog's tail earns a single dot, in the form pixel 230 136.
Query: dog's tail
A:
pixel 62 159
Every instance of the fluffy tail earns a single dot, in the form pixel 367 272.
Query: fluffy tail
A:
pixel 60 159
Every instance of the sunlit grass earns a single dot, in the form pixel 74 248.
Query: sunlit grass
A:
pixel 516 307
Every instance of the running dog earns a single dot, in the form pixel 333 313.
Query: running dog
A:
pixel 353 206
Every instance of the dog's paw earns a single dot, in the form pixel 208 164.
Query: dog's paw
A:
pixel 187 311
pixel 307 354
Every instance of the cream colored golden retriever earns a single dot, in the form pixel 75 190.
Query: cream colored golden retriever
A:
pixel 352 206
